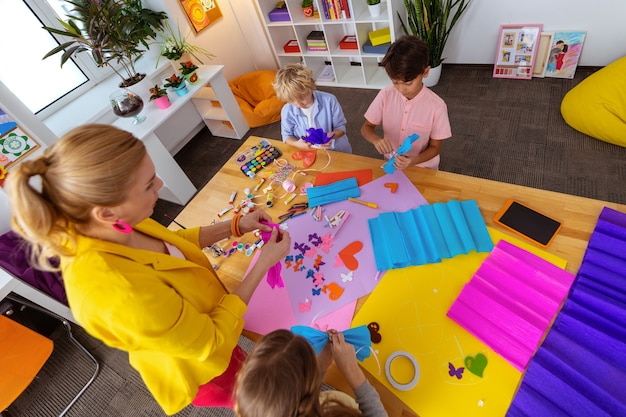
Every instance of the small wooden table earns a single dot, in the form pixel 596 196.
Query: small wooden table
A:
pixel 578 215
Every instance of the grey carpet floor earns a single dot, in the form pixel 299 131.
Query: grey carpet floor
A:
pixel 504 130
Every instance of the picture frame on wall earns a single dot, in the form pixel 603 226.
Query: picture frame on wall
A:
pixel 543 51
pixel 15 141
pixel 517 51
pixel 201 13
pixel 564 53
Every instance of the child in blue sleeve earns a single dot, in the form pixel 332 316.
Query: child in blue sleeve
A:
pixel 307 108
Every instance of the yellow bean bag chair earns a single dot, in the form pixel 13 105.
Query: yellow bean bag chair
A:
pixel 597 106
pixel 256 97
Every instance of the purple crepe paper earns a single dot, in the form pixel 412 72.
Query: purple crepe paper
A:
pixel 580 369
pixel 274 279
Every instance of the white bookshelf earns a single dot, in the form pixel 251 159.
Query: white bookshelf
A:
pixel 352 68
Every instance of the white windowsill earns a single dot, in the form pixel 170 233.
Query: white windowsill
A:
pixel 94 104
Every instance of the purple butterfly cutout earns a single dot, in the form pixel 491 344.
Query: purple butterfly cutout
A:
pixel 458 373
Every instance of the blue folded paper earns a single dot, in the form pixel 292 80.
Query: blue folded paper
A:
pixel 359 337
pixel 389 166
pixel 331 193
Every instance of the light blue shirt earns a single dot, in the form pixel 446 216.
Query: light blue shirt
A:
pixel 327 115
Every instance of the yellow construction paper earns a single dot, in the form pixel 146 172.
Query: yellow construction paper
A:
pixel 410 306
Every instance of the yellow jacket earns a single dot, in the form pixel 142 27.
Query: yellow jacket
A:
pixel 173 316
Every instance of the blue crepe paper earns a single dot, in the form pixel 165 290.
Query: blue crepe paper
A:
pixel 389 166
pixel 331 193
pixel 359 337
pixel 428 234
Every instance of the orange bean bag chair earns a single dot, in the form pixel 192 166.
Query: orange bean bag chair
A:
pixel 256 97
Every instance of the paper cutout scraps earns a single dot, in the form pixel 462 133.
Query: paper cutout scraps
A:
pixel 306 306
pixel 579 369
pixel 307 157
pixel 271 309
pixel 333 290
pixel 347 277
pixel 348 255
pixel 510 302
pixel 393 186
pixel 375 335
pixel 274 278
pixel 359 337
pixel 331 193
pixel 389 166
pixel 427 234
pixel 363 176
pixel 455 372
pixel 476 364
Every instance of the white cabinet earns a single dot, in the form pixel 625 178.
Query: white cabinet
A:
pixel 218 107
pixel 351 68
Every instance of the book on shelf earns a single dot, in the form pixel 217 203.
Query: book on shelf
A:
pixel 316 35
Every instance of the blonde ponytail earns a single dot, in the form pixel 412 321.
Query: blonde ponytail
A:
pixel 91 165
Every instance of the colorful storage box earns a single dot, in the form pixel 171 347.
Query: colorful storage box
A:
pixel 291 46
pixel 378 49
pixel 380 36
pixel 279 15
pixel 348 42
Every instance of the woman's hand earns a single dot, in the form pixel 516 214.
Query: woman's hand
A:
pixel 276 248
pixel 252 221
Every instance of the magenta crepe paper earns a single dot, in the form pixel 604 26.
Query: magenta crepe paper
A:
pixel 274 279
pixel 510 301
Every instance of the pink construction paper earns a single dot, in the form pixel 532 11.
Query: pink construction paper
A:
pixel 270 309
pixel 510 302
pixel 316 278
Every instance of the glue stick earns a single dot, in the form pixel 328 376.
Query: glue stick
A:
pixel 270 200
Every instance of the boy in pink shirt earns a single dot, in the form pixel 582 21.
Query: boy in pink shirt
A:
pixel 408 107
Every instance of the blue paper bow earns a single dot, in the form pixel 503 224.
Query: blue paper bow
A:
pixel 359 337
pixel 389 166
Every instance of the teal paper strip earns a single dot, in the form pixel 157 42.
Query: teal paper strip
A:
pixel 331 193
pixel 477 227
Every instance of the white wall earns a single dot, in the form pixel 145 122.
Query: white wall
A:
pixel 240 43
pixel 474 38
pixel 237 39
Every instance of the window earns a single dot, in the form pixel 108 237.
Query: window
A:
pixel 42 85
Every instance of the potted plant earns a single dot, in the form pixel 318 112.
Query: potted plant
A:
pixel 159 96
pixel 374 7
pixel 177 83
pixel 112 31
pixel 188 69
pixel 432 21
pixel 174 46
pixel 307 8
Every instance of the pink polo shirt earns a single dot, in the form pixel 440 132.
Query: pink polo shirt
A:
pixel 425 114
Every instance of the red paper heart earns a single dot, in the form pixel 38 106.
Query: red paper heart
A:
pixel 347 255
pixel 393 186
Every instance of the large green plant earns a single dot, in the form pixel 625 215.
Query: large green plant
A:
pixel 112 31
pixel 432 21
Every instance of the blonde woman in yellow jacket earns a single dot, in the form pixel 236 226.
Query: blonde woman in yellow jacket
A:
pixel 131 282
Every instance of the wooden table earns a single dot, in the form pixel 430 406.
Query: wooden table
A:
pixel 578 215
